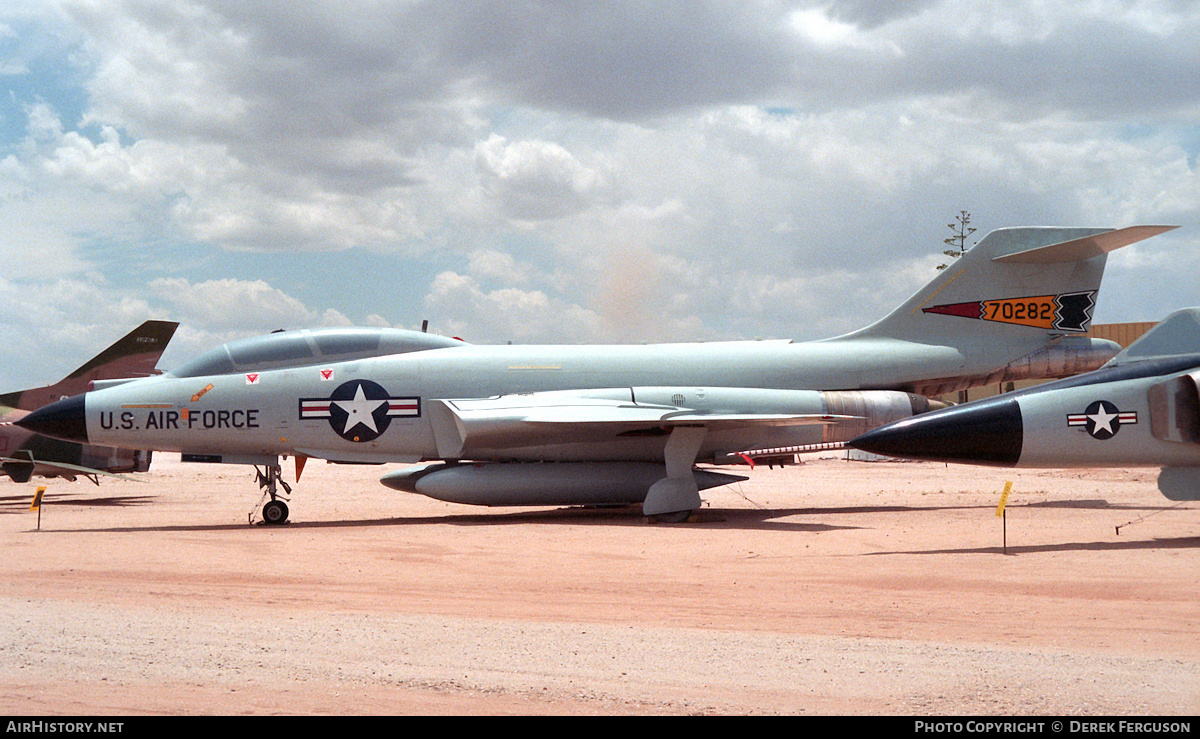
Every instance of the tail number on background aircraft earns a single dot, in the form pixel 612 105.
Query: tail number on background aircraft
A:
pixel 1067 312
pixel 360 410
pixel 1037 311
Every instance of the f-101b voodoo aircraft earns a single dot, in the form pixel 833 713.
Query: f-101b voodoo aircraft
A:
pixel 1142 408
pixel 573 425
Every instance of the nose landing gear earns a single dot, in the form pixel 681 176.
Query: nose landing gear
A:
pixel 274 511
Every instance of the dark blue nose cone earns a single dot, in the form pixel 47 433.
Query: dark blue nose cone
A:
pixel 63 419
pixel 987 433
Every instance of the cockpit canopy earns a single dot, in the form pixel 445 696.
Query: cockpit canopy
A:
pixel 307 346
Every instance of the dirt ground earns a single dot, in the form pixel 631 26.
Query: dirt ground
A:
pixel 833 587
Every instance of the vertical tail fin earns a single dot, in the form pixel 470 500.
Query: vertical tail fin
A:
pixel 134 355
pixel 1014 307
pixel 1017 284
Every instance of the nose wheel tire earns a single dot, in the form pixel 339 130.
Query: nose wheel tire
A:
pixel 275 512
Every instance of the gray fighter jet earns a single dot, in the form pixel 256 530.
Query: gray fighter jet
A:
pixel 24 454
pixel 1140 409
pixel 608 425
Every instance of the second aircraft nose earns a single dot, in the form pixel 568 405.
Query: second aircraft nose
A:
pixel 63 419
pixel 989 433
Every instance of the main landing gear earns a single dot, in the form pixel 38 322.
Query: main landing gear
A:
pixel 270 478
pixel 676 497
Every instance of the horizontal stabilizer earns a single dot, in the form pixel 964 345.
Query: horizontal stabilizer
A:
pixel 1083 248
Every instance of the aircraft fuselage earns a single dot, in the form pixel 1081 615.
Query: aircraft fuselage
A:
pixel 386 408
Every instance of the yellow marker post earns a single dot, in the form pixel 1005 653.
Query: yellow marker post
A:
pixel 1003 499
pixel 1000 513
pixel 37 504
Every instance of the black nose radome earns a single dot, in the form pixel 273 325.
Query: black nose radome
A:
pixel 63 419
pixel 989 433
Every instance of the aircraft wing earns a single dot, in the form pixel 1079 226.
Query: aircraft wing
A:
pixel 69 470
pixel 578 417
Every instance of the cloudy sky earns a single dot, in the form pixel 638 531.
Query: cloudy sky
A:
pixel 568 171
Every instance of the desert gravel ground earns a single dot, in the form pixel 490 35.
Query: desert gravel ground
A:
pixel 832 587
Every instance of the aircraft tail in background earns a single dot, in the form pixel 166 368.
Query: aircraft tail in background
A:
pixel 1030 288
pixel 132 356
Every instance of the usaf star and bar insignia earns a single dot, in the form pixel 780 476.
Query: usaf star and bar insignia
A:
pixel 360 410
pixel 1102 420
pixel 1071 312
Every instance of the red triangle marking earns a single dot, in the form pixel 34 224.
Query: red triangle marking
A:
pixel 965 310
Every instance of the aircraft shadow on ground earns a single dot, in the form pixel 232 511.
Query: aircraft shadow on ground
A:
pixel 812 519
pixel 1178 542
pixel 712 518
pixel 20 503
pixel 626 516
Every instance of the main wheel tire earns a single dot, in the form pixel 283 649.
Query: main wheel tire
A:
pixel 673 517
